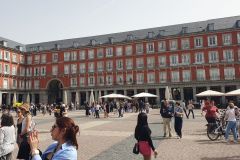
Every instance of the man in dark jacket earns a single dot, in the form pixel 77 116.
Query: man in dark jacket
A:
pixel 167 112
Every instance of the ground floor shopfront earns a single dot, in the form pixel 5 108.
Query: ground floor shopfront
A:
pixel 181 91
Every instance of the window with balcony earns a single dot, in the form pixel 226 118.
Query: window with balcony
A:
pixel 129 78
pixel 229 73
pixel 201 75
pixel 199 58
pixel 22 71
pixel 119 79
pixel 73 68
pixel 150 62
pixel 150 47
pixel 119 51
pixel 119 64
pixel 129 64
pixel 6 56
pixel 162 61
pixel 173 60
pixel 214 74
pixel 54 70
pixel 175 76
pixel 55 57
pixel 109 65
pixel 73 82
pixel 186 59
pixel 14 83
pixel 67 56
pixel 29 59
pixel 228 55
pixel 6 69
pixel 109 52
pixel 100 52
pixel 43 58
pixel 186 74
pixel 140 78
pixel 128 50
pixel 173 45
pixel 163 77
pixel 213 56
pixel 109 79
pixel 82 81
pixel 161 46
pixel 90 54
pixel 28 84
pixel 185 44
pixel 43 71
pixel 91 67
pixel 91 81
pixel 36 59
pixel 74 56
pixel 100 66
pixel 5 83
pixel 139 49
pixel 100 80
pixel 139 63
pixel 212 41
pixel 66 69
pixel 14 70
pixel 29 72
pixel 151 77
pixel 198 42
pixel 36 84
pixel 227 39
pixel 14 57
pixel 82 55
pixel 82 68
pixel 37 71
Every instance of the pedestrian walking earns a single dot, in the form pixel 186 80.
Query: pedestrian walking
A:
pixel 7 136
pixel 190 109
pixel 143 136
pixel 167 113
pixel 183 105
pixel 19 126
pixel 178 115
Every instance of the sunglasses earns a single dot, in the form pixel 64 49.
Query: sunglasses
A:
pixel 54 126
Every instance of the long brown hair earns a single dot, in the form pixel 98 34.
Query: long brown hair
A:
pixel 71 129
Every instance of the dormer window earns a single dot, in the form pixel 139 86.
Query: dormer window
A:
pixel 110 40
pixel 210 27
pixel 93 42
pixel 4 43
pixel 39 48
pixel 238 24
pixel 75 44
pixel 150 34
pixel 184 30
pixel 161 32
pixel 130 37
pixel 20 48
pixel 57 46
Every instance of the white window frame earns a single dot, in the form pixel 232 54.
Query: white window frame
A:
pixel 100 53
pixel 229 73
pixel 6 55
pixel 228 55
pixel 29 59
pixel 100 80
pixel 66 68
pixel 55 57
pixel 174 60
pixel 199 58
pixel 36 71
pixel 173 44
pixel 91 81
pixel 214 74
pixel 185 43
pixel 213 56
pixel 129 78
pixel 6 69
pixel 82 81
pixel 238 37
pixel 129 63
pixel 73 82
pixel 100 66
pixel 186 75
pixel 109 65
pixel 198 42
pixel 90 54
pixel 73 68
pixel 162 46
pixel 185 59
pixel 139 48
pixel 109 52
pixel 36 84
pixel 175 77
pixel 67 56
pixel 150 47
pixel 227 39
pixel 120 79
pixel 82 68
pixel 119 51
pixel 14 83
pixel 14 70
pixel 5 83
pixel 140 78
pixel 139 63
pixel 43 58
pixel 128 50
pixel 212 41
pixel 150 62
pixel 36 59
pixel 91 67
pixel 54 70
pixel 43 70
pixel 14 57
pixel 109 80
pixel 163 77
pixel 162 61
pixel 151 77
pixel 119 63
pixel 82 55
pixel 200 75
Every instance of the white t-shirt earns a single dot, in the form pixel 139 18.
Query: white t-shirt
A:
pixel 230 115
pixel 7 140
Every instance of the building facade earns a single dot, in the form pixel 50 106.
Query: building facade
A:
pixel 189 58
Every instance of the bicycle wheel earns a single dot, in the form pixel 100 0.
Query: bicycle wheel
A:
pixel 212 132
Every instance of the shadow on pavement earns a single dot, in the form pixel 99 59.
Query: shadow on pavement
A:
pixel 209 142
pixel 222 158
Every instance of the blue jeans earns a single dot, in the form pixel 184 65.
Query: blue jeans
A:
pixel 231 125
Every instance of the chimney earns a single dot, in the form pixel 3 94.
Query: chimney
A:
pixel 184 30
pixel 20 48
pixel 150 34
pixel 161 32
pixel 130 37
pixel 57 46
pixel 3 43
pixel 93 42
pixel 110 40
pixel 210 27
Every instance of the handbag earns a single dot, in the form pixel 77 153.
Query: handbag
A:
pixel 136 148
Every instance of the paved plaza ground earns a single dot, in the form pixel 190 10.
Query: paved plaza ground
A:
pixel 112 138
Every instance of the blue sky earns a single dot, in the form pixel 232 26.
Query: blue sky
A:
pixel 32 21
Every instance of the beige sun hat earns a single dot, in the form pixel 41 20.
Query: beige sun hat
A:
pixel 25 106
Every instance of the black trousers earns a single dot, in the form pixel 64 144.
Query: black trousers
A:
pixel 190 110
pixel 178 126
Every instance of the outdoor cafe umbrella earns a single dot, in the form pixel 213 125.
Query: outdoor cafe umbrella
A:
pixel 99 97
pixel 233 93
pixel 144 94
pixel 210 93
pixel 28 98
pixel 114 95
pixel 14 98
pixel 65 100
pixel 168 94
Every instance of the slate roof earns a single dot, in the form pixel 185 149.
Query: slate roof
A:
pixel 12 44
pixel 194 27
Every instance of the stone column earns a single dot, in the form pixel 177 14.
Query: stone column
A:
pixel 194 93
pixel 33 98
pixel 158 98
pixel 223 99
pixel 182 93
pixel 9 99
pixel 87 96
pixel 146 99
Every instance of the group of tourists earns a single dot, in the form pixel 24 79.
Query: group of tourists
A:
pixel 63 132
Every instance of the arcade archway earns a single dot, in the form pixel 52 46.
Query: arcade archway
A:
pixel 55 92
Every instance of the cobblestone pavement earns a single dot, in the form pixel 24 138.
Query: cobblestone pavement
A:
pixel 112 138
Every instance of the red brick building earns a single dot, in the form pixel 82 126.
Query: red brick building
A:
pixel 189 58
